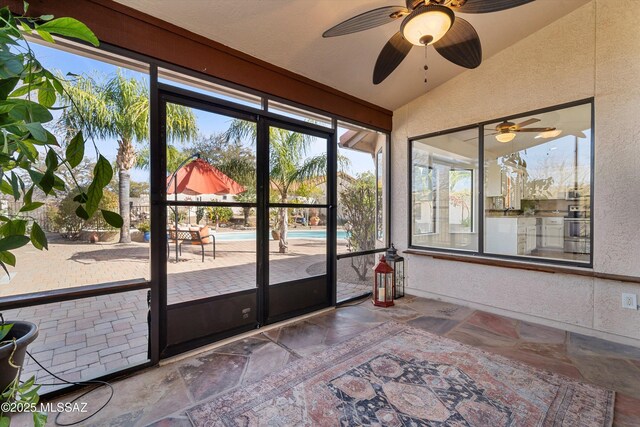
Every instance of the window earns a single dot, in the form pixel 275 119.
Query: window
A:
pixel 535 192
pixel 108 330
pixel 443 188
pixel 205 87
pixel 361 209
pixel 114 255
pixel 299 114
pixel 538 186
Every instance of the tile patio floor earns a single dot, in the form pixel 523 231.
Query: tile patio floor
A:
pixel 159 396
pixel 87 338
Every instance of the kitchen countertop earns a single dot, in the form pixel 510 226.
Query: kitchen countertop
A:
pixel 525 216
pixel 517 214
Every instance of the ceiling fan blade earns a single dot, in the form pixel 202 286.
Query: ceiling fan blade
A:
pixel 461 45
pixel 486 6
pixel 486 134
pixel 364 21
pixel 390 57
pixel 534 130
pixel 527 122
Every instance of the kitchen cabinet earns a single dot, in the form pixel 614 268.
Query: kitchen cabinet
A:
pixel 494 179
pixel 504 181
pixel 526 235
pixel 552 233
pixel 510 235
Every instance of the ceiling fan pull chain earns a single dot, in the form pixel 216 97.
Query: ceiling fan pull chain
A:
pixel 426 67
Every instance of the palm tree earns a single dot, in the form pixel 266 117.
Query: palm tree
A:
pixel 175 157
pixel 289 165
pixel 118 107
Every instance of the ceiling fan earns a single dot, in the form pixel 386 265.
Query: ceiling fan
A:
pixel 425 22
pixel 506 130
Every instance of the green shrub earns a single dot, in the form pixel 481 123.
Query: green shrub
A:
pixel 67 223
pixel 220 214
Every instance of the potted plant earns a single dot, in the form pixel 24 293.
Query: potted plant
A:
pixel 32 158
pixel 145 228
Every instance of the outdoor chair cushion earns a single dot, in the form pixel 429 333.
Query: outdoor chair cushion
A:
pixel 199 234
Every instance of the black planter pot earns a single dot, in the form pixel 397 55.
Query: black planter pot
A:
pixel 24 333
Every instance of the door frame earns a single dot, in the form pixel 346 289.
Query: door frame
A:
pixel 159 203
pixel 298 307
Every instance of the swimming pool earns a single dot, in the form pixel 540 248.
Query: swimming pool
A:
pixel 291 234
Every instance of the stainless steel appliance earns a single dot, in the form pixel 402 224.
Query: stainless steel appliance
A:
pixel 577 230
pixel 575 194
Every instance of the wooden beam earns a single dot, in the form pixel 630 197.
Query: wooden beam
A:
pixel 137 32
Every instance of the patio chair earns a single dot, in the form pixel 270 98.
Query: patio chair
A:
pixel 172 237
pixel 201 237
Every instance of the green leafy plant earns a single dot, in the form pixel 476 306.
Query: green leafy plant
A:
pixel 144 226
pixel 28 94
pixel 220 214
pixel 25 394
pixel 70 225
pixel 358 201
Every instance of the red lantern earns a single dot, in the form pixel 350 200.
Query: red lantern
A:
pixel 383 286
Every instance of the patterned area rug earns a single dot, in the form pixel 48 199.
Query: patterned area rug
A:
pixel 397 375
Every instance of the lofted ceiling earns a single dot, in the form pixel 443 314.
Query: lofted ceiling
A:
pixel 288 33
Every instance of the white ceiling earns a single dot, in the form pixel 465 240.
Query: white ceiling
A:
pixel 288 33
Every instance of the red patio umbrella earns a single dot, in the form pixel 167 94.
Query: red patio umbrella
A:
pixel 199 177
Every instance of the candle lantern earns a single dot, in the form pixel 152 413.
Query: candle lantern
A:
pixel 397 263
pixel 383 284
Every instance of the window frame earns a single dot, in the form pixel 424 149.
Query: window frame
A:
pixel 480 253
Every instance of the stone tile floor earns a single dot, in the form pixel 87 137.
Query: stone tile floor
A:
pixel 159 396
pixel 89 337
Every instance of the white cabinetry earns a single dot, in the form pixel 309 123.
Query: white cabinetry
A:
pixel 526 235
pixel 552 233
pixel 510 235
pixel 494 179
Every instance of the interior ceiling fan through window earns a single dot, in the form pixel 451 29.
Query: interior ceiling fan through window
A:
pixel 506 131
pixel 425 22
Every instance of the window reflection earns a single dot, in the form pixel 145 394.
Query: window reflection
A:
pixel 538 186
pixel 444 190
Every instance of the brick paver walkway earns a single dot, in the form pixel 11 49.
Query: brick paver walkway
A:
pixel 85 338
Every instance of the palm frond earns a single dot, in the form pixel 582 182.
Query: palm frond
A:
pixel 240 130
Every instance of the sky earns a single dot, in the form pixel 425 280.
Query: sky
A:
pixel 208 123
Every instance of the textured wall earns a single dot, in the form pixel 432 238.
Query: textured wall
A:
pixel 594 51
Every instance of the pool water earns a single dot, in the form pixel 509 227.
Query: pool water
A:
pixel 291 234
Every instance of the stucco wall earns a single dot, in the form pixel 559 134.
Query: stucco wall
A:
pixel 594 51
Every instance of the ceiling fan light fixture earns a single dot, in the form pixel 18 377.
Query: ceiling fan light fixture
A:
pixel 427 24
pixel 549 134
pixel 505 136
